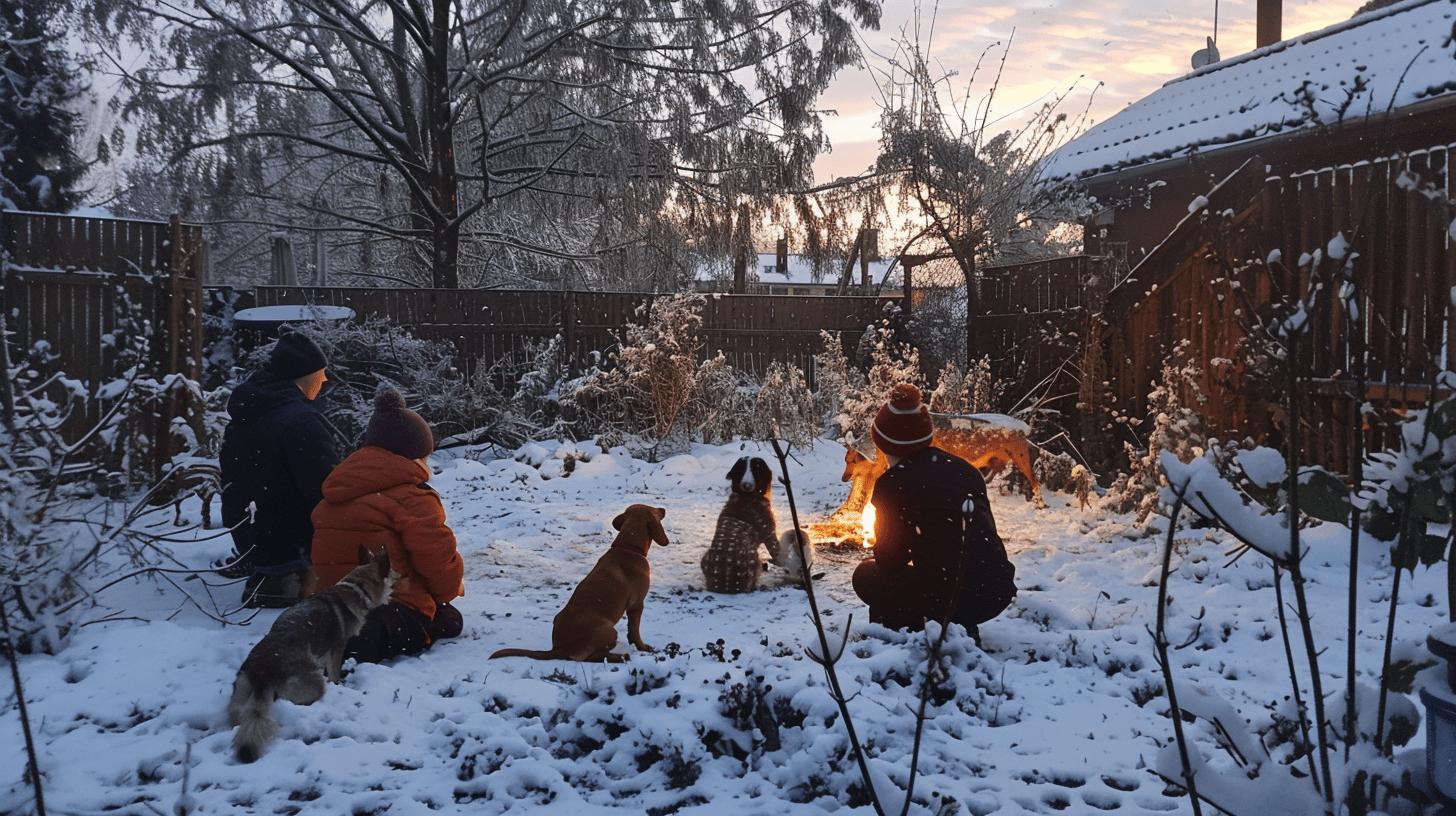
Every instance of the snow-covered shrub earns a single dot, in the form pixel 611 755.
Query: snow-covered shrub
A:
pixel 375 352
pixel 1053 471
pixel 1176 427
pixel 649 389
pixel 784 403
pixel 61 534
pixel 891 361
pixel 536 399
pixel 835 380
pixel 964 392
pixel 221 349
pixel 1246 491
pixel 517 397
pixel 41 568
pixel 1408 489
pixel 658 361
pixel 724 402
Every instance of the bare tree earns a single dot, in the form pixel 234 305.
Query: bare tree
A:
pixel 977 192
pixel 472 132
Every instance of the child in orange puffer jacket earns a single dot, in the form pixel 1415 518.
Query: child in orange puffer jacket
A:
pixel 379 497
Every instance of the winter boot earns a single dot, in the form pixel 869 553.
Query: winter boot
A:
pixel 234 566
pixel 274 591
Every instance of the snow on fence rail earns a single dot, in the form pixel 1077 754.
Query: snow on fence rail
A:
pixel 73 282
pixel 486 325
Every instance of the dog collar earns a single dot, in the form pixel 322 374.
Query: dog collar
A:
pixel 629 551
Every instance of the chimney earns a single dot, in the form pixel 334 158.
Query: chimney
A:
pixel 781 256
pixel 1270 16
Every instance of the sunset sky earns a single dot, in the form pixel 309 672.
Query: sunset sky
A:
pixel 1131 46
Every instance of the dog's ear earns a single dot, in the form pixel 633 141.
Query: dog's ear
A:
pixel 740 467
pixel 762 476
pixel 364 556
pixel 617 522
pixel 659 535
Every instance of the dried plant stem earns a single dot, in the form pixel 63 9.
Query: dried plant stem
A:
pixel 30 757
pixel 1160 642
pixel 1294 676
pixel 827 658
pixel 1296 572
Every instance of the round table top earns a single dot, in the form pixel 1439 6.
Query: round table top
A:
pixel 293 314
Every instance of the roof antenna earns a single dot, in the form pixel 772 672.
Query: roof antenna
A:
pixel 1209 54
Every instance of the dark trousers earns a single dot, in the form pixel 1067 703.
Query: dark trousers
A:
pixel 393 630
pixel 903 601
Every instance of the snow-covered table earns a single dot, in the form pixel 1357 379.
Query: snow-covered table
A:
pixel 271 317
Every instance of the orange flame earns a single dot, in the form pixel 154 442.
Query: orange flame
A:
pixel 867 523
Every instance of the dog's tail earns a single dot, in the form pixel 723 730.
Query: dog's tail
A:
pixel 549 654
pixel 251 710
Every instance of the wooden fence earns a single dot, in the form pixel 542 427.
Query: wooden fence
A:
pixel 73 282
pixel 1029 321
pixel 1215 279
pixel 489 325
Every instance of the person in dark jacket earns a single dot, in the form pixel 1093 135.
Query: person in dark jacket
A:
pixel 276 452
pixel 933 523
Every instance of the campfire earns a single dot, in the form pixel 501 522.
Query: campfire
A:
pixel 847 530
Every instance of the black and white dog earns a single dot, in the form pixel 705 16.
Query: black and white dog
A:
pixel 732 563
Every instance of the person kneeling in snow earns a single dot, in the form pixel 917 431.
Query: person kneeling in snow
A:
pixel 380 497
pixel 919 503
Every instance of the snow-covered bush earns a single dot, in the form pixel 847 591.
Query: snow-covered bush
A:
pixel 1267 501
pixel 1408 489
pixel 62 535
pixel 891 360
pixel 42 571
pixel 971 391
pixel 1176 427
pixel 784 403
pixel 649 389
pixel 517 397
pixel 657 362
pixel 1053 471
pixel 835 380
pixel 725 401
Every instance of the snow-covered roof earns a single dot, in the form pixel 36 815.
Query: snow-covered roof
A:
pixel 800 272
pixel 1403 52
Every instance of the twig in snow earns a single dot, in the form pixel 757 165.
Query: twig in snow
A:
pixel 32 766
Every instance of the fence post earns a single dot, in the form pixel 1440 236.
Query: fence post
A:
pixel 568 328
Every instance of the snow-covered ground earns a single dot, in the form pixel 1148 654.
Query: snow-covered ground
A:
pixel 1061 712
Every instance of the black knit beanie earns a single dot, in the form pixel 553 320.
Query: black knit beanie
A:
pixel 295 355
pixel 398 429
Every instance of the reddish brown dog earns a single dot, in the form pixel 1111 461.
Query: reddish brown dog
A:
pixel 586 628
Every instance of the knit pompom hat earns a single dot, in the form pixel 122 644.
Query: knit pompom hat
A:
pixel 295 355
pixel 902 426
pixel 398 429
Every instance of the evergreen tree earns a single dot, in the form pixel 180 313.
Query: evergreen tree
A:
pixel 39 169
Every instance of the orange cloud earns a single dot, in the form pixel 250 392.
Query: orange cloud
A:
pixel 1131 46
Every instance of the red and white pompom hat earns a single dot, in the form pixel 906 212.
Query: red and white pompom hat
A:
pixel 903 425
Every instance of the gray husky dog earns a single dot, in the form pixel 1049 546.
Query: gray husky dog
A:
pixel 305 646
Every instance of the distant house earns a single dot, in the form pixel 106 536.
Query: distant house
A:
pixel 799 278
pixel 1381 82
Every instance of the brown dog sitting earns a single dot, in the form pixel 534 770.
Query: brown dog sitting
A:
pixel 586 628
